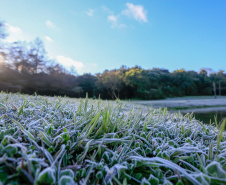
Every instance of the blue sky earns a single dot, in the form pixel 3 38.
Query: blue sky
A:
pixel 94 35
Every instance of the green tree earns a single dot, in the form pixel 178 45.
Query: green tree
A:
pixel 220 75
pixel 111 81
pixel 137 78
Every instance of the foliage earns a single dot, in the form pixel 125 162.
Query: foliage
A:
pixel 54 140
pixel 26 68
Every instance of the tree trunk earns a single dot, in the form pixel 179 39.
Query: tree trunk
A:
pixel 219 88
pixel 214 90
pixel 115 94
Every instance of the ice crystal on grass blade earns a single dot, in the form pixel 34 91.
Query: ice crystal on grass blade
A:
pixel 55 140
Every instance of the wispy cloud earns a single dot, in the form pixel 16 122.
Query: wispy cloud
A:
pixel 80 67
pixel 114 22
pixel 105 9
pixel 68 63
pixel 15 33
pixel 13 29
pixel 49 39
pixel 90 12
pixel 136 11
pixel 112 18
pixel 49 24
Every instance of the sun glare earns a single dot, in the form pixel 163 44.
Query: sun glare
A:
pixel 1 58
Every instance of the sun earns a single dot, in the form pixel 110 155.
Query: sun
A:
pixel 1 58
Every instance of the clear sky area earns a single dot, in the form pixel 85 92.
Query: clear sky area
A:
pixel 94 35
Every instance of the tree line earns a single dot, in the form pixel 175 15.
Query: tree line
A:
pixel 26 68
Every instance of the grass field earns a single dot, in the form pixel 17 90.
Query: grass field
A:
pixel 63 141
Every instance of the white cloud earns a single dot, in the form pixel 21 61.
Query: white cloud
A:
pixel 136 11
pixel 50 24
pixel 114 22
pixel 80 67
pixel 90 12
pixel 105 9
pixel 13 29
pixel 49 39
pixel 68 63
pixel 15 33
pixel 112 18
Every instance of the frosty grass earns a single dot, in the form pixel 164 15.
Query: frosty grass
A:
pixel 55 140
